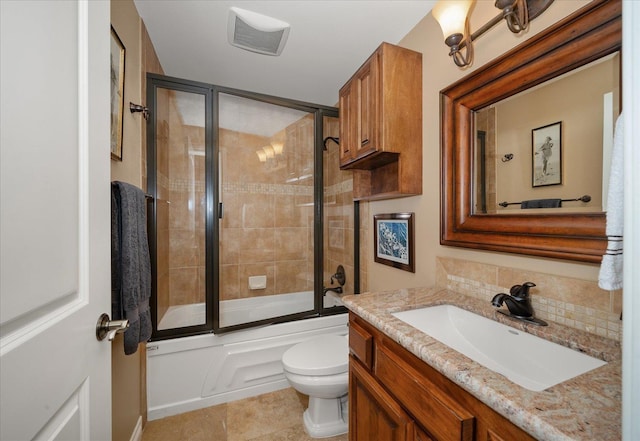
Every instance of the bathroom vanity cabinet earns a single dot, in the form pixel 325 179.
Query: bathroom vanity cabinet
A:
pixel 381 124
pixel 394 396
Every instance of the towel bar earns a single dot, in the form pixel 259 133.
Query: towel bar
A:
pixel 585 198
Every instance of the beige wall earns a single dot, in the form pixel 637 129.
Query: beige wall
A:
pixel 126 22
pixel 129 372
pixel 438 72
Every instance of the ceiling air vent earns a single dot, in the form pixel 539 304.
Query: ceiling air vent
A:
pixel 256 32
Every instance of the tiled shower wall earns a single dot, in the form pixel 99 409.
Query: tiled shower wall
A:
pixel 575 303
pixel 338 212
pixel 267 227
pixel 187 215
pixel 178 255
pixel 180 205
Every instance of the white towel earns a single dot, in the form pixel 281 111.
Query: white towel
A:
pixel 610 277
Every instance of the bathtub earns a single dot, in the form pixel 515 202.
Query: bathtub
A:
pixel 190 373
pixel 233 312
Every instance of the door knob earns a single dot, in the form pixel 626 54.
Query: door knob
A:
pixel 109 328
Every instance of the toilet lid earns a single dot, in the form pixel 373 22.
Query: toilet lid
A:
pixel 322 355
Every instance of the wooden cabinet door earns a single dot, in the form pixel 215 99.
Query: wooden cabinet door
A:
pixel 359 113
pixel 373 413
pixel 348 123
pixel 367 90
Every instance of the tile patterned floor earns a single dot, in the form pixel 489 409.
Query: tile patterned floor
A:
pixel 276 416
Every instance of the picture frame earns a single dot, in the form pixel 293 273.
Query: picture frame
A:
pixel 393 238
pixel 546 155
pixel 117 94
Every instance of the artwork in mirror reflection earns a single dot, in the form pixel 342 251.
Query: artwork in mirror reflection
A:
pixel 577 111
pixel 546 155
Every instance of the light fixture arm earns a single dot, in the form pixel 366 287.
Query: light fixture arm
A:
pixel 533 9
pixel 517 14
pixel 457 42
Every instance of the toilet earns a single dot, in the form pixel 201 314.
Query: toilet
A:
pixel 318 367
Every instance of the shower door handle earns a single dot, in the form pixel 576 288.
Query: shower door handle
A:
pixel 109 328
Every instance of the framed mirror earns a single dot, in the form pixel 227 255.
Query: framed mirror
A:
pixel 591 34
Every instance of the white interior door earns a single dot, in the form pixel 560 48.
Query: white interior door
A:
pixel 55 220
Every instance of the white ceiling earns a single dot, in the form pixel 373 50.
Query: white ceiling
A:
pixel 328 41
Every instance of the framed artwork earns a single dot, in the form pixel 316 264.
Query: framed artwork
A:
pixel 117 94
pixel 393 240
pixel 546 154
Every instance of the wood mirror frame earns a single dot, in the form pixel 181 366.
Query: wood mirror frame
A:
pixel 585 36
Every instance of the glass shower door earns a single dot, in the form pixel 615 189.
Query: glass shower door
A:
pixel 239 234
pixel 339 221
pixel 178 186
pixel 266 231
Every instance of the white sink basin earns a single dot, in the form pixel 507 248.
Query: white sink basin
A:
pixel 532 362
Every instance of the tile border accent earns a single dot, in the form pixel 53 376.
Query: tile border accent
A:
pixel 595 321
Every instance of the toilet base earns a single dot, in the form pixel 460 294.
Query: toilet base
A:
pixel 326 417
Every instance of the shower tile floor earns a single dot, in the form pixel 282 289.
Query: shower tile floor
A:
pixel 276 416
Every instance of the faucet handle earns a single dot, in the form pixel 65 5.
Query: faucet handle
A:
pixel 521 291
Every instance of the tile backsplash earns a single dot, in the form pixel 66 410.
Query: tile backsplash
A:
pixel 575 303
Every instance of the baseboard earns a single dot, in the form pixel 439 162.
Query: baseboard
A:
pixel 137 432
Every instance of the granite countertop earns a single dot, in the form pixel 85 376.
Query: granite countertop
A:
pixel 587 407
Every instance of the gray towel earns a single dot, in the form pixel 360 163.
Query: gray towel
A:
pixel 541 203
pixel 130 263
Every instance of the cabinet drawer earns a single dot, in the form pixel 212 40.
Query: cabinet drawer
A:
pixel 444 419
pixel 361 344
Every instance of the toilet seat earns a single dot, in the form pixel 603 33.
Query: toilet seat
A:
pixel 322 355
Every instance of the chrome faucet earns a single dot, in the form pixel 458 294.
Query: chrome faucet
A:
pixel 518 303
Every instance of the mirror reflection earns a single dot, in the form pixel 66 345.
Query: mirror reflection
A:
pixel 548 148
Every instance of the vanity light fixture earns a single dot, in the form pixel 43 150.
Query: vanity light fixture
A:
pixel 452 15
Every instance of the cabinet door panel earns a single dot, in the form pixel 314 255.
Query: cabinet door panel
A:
pixel 347 124
pixel 367 93
pixel 374 414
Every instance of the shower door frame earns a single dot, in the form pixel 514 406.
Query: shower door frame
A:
pixel 154 82
pixel 214 209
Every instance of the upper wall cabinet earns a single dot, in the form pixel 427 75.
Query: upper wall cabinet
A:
pixel 381 125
